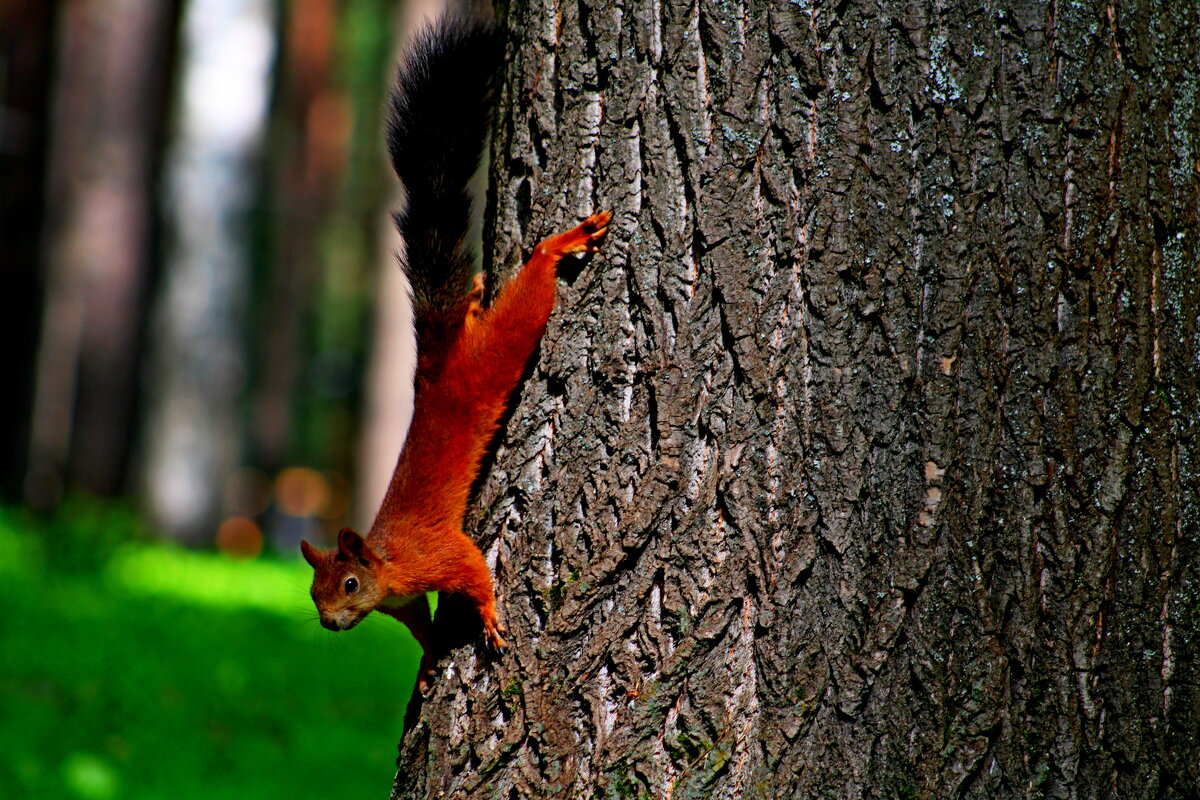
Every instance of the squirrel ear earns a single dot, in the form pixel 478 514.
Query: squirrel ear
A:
pixel 350 541
pixel 352 545
pixel 310 554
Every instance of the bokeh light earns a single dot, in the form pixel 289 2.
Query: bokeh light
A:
pixel 301 492
pixel 240 538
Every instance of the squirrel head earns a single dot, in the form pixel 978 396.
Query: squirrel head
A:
pixel 346 584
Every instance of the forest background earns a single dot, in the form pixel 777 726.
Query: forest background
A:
pixel 860 463
pixel 198 294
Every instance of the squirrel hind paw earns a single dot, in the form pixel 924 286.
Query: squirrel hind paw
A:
pixel 586 237
pixel 597 222
pixel 595 229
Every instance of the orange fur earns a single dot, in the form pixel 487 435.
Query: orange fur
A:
pixel 471 362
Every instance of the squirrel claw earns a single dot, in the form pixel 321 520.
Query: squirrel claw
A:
pixel 596 228
pixel 596 222
pixel 425 675
pixel 493 634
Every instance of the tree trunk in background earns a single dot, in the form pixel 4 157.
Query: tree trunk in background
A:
pixel 26 55
pixel 307 151
pixel 193 431
pixel 862 462
pixel 109 100
pixel 387 410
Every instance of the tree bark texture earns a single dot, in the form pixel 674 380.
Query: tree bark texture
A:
pixel 862 462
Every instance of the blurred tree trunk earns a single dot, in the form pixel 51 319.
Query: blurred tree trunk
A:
pixel 863 461
pixel 109 102
pixel 307 152
pixel 193 432
pixel 387 410
pixel 26 56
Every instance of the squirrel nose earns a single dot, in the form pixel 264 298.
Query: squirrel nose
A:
pixel 328 624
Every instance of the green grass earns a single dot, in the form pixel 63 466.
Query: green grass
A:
pixel 162 673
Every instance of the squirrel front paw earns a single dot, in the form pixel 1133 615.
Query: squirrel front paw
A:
pixel 492 630
pixel 425 675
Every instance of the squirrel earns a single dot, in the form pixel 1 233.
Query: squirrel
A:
pixel 469 358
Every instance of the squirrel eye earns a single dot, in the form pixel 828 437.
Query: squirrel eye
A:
pixel 351 585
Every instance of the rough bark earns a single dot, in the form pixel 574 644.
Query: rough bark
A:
pixel 863 461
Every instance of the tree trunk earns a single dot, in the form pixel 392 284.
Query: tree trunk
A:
pixel 862 462
pixel 109 105
pixel 26 68
pixel 307 158
pixel 193 430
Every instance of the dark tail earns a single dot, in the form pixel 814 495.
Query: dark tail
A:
pixel 440 111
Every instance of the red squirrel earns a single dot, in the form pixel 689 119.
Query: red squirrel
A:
pixel 470 358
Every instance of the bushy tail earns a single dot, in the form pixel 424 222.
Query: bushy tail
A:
pixel 440 111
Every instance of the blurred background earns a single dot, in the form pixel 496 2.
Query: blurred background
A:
pixel 208 361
